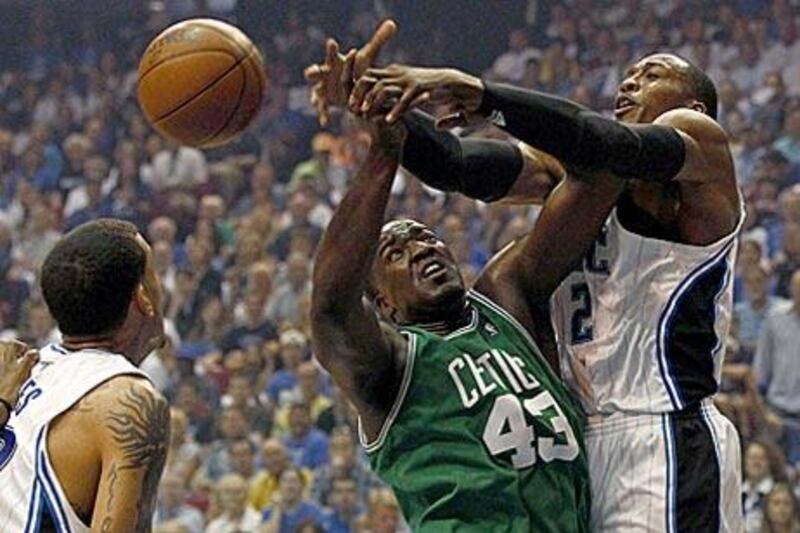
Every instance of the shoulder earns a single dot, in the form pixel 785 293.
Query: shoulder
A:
pixel 115 392
pixel 696 125
pixel 129 413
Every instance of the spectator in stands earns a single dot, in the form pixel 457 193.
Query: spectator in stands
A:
pixel 291 287
pixel 241 394
pixel 233 426
pixel 757 304
pixel 275 460
pixel 384 512
pixel 307 445
pixel 242 459
pixel 781 511
pixel 344 506
pixel 306 391
pixel 291 509
pixel 763 467
pixel 254 328
pixel 236 515
pixel 177 166
pixel 292 347
pixel 345 463
pixel 183 454
pixel 789 141
pixel 777 370
pixel 171 507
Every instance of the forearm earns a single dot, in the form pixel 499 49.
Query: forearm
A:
pixel 568 224
pixel 482 169
pixel 347 249
pixel 581 139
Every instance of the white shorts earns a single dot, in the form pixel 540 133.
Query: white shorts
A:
pixel 671 472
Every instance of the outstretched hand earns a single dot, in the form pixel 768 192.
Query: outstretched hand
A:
pixel 405 87
pixel 333 79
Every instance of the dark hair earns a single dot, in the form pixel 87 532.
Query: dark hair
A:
pixel 89 276
pixel 702 88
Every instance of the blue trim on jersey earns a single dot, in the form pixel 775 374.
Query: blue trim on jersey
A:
pixel 50 492
pixel 726 282
pixel 667 316
pixel 706 416
pixel 671 515
pixel 53 517
pixel 32 521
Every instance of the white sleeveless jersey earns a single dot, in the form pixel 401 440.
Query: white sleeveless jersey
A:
pixel 641 323
pixel 31 497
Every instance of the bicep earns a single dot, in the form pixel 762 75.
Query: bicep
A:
pixel 134 435
pixel 707 153
pixel 360 354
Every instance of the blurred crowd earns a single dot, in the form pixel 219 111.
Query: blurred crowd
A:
pixel 261 438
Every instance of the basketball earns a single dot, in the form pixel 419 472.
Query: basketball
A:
pixel 201 82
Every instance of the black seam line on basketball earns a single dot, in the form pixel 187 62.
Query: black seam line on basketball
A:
pixel 201 91
pixel 233 111
pixel 184 54
pixel 227 37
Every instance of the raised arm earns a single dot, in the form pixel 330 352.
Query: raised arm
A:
pixel 482 169
pixel 365 359
pixel 523 276
pixel 682 144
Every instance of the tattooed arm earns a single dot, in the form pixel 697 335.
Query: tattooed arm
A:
pixel 133 446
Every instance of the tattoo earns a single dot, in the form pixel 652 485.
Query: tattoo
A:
pixel 112 477
pixel 141 428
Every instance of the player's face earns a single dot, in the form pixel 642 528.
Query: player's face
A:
pixel 153 326
pixel 415 271
pixel 653 86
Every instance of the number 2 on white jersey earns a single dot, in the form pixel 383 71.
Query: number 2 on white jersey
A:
pixel 507 412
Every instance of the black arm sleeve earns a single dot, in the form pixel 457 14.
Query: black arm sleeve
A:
pixel 482 169
pixel 582 139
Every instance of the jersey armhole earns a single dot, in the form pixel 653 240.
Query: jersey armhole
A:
pixel 488 302
pixel 372 447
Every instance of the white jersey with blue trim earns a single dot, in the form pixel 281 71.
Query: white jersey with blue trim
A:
pixel 31 497
pixel 641 323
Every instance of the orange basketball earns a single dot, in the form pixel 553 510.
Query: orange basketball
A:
pixel 201 82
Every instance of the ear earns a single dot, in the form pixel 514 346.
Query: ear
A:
pixel 698 106
pixel 385 309
pixel 143 301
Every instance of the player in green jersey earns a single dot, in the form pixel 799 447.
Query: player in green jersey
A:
pixel 460 412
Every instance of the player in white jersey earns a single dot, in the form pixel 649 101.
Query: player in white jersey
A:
pixel 640 329
pixel 85 446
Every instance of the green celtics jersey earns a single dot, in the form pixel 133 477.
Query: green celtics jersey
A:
pixel 483 435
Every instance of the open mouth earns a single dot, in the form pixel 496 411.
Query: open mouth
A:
pixel 432 269
pixel 623 105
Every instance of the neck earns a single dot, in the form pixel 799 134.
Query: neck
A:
pixel 117 342
pixel 446 319
pixel 75 343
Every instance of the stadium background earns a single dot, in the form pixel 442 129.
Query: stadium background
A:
pixel 234 229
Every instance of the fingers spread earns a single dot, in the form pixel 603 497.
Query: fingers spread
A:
pixel 382 35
